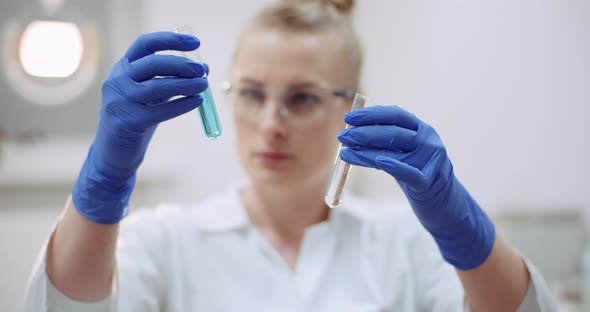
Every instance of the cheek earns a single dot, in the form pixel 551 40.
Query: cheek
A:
pixel 242 135
pixel 322 142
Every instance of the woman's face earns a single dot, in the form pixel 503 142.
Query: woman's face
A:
pixel 272 69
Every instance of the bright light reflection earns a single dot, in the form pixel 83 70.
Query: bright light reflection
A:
pixel 51 49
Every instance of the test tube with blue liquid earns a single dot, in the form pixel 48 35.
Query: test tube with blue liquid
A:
pixel 207 110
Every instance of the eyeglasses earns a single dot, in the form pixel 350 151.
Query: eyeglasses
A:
pixel 299 105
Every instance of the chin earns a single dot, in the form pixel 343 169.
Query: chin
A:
pixel 292 178
pixel 272 176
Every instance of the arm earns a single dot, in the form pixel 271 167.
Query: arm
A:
pixel 441 287
pixel 81 254
pixel 391 139
pixel 499 283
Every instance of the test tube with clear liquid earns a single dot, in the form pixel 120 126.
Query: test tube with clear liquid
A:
pixel 207 110
pixel 341 169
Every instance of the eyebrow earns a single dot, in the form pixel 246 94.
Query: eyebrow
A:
pixel 251 81
pixel 305 85
pixel 293 86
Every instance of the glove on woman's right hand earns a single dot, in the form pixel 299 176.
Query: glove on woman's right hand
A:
pixel 135 99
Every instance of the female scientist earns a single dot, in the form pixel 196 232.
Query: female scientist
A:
pixel 273 244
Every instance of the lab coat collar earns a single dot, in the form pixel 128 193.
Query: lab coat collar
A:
pixel 221 212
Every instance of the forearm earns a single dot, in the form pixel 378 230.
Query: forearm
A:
pixel 81 256
pixel 499 283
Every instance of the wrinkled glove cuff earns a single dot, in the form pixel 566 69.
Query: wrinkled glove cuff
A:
pixel 470 241
pixel 463 232
pixel 100 198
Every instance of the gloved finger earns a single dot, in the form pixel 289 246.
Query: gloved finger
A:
pixel 158 90
pixel 150 43
pixel 164 65
pixel 388 162
pixel 382 115
pixel 171 109
pixel 382 137
pixel 206 68
pixel 403 172
pixel 363 157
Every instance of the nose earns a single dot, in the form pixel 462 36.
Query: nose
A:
pixel 271 121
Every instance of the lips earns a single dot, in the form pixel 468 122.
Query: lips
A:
pixel 273 157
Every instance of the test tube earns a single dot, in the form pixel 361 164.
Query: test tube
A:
pixel 341 169
pixel 207 110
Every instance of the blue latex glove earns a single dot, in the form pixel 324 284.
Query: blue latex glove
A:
pixel 135 99
pixel 397 142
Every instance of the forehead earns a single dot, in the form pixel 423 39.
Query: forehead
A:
pixel 275 57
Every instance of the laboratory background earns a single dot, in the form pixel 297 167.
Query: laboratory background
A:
pixel 505 83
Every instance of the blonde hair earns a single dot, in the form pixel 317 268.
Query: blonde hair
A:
pixel 313 16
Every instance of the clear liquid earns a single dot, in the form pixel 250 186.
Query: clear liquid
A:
pixel 341 169
pixel 336 188
pixel 209 117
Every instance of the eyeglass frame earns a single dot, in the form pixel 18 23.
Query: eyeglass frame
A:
pixel 341 93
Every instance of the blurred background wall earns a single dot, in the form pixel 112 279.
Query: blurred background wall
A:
pixel 505 83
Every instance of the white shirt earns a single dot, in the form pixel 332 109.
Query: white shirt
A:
pixel 211 258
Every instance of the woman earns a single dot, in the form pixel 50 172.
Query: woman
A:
pixel 273 244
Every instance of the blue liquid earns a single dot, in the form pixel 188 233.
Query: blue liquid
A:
pixel 209 118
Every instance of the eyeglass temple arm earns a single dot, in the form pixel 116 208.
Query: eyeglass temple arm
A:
pixel 344 93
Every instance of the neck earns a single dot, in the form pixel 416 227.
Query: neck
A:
pixel 285 210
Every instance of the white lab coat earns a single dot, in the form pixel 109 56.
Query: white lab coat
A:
pixel 210 258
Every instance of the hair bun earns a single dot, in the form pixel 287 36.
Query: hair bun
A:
pixel 343 6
